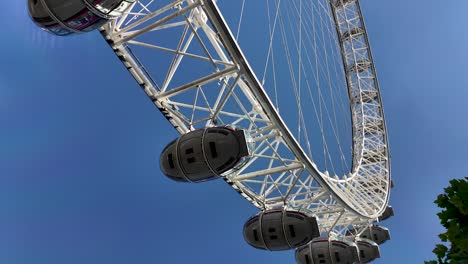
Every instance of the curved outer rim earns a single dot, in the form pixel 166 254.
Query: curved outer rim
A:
pixel 324 180
pixel 355 168
pixel 211 10
pixel 226 34
pixel 384 124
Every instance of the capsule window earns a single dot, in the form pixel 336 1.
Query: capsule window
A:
pixel 375 237
pixel 170 161
pixel 191 160
pixel 322 261
pixel 273 237
pixel 307 259
pixel 189 151
pixel 361 252
pixel 255 233
pixel 271 230
pixel 292 231
pixel 320 256
pixel 337 257
pixel 214 153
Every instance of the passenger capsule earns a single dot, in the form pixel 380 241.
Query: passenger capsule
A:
pixel 325 251
pixel 368 250
pixel 280 230
pixel 376 233
pixel 386 214
pixel 65 17
pixel 205 154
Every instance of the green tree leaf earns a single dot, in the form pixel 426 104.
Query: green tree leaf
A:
pixel 454 217
pixel 440 251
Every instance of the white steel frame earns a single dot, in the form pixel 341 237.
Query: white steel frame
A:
pixel 279 174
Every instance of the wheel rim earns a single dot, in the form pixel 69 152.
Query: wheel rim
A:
pixel 290 178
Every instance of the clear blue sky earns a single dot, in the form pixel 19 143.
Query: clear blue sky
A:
pixel 79 142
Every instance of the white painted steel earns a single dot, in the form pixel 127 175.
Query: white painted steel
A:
pixel 159 43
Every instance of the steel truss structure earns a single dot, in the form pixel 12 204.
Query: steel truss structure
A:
pixel 224 90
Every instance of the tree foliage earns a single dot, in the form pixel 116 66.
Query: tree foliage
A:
pixel 454 217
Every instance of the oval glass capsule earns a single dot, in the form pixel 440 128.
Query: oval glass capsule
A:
pixel 66 17
pixel 328 251
pixel 205 154
pixel 280 230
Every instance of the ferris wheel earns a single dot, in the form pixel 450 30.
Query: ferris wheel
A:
pixel 280 99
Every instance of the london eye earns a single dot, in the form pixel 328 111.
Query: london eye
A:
pixel 280 99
